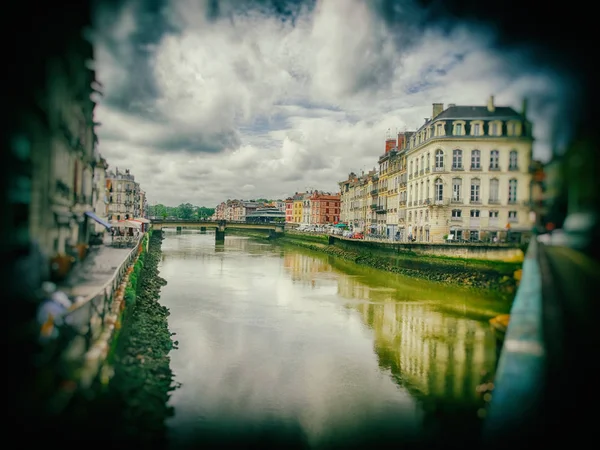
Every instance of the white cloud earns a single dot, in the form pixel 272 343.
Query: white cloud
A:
pixel 252 106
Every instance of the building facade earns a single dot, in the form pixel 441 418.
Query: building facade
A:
pixel 124 195
pixel 468 175
pixel 324 208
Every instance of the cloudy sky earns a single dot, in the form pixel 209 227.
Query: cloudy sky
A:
pixel 207 100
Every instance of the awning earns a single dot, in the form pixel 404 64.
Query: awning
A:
pixel 98 219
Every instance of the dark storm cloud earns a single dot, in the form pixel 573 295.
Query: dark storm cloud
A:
pixel 285 10
pixel 198 142
pixel 133 53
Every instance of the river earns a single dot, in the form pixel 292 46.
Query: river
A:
pixel 295 349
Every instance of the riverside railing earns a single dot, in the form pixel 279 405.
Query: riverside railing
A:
pixel 87 320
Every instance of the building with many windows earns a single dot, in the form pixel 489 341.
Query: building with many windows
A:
pixel 124 195
pixel 468 174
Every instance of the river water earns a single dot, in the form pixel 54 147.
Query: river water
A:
pixel 284 348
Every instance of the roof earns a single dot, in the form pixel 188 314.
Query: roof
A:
pixel 478 112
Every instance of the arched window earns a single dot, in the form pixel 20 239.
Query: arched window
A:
pixel 513 163
pixel 475 160
pixel 439 160
pixel 457 160
pixel 512 191
pixel 439 190
pixel 494 191
pixel 427 190
pixel 494 160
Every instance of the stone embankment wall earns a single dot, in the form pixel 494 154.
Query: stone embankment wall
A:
pixel 500 276
pixel 129 402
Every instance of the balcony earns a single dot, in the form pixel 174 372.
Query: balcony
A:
pixel 494 201
pixel 403 184
pixel 494 168
pixel 427 201
pixel 441 202
pixel 439 169
pixel 476 167
pixel 513 168
pixel 457 200
pixel 457 167
pixel 513 219
pixel 380 210
pixel 456 219
pixel 427 170
pixel 421 172
pixel 402 203
pixel 374 192
pixel 374 206
pixel 475 201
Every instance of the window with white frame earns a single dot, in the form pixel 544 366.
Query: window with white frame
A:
pixel 494 160
pixel 439 129
pixel 475 213
pixel 458 129
pixel 475 190
pixel 494 190
pixel 493 214
pixel 476 160
pixel 456 189
pixel 494 129
pixel 456 213
pixel 457 159
pixel 512 190
pixel 476 129
pixel 439 190
pixel 512 216
pixel 439 159
pixel 513 158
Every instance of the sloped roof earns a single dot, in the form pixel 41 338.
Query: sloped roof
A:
pixel 478 112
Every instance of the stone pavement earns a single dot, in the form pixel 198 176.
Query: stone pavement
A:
pixel 88 276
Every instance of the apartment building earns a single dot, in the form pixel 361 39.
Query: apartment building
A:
pixel 324 208
pixel 468 174
pixel 124 195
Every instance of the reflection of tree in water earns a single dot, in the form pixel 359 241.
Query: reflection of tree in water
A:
pixel 438 358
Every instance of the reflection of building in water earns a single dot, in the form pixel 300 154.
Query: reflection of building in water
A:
pixel 304 267
pixel 437 355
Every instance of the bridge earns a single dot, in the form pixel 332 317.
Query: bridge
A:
pixel 275 229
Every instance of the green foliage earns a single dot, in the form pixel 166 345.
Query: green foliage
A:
pixel 184 211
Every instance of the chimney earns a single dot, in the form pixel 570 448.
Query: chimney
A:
pixel 437 109
pixel 400 141
pixel 524 108
pixel 490 106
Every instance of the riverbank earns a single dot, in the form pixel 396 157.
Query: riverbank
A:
pixel 498 276
pixel 128 404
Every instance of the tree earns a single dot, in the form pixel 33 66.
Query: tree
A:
pixel 185 211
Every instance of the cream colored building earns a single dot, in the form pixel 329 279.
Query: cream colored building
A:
pixel 468 174
pixel 124 195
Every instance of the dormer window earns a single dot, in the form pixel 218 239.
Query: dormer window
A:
pixel 458 129
pixel 476 129
pixel 439 130
pixel 495 128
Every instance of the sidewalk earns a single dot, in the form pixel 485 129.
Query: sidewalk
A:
pixel 88 276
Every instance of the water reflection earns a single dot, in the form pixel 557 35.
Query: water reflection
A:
pixel 283 344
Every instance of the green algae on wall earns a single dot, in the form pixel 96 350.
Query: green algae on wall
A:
pixel 131 408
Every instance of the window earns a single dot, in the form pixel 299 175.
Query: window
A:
pixel 512 216
pixel 476 159
pixel 512 191
pixel 439 159
pixel 494 160
pixel 475 190
pixel 475 213
pixel 513 160
pixel 458 129
pixel 476 129
pixel 439 190
pixel 494 190
pixel 428 161
pixel 493 214
pixel 427 188
pixel 456 213
pixel 510 128
pixel 494 129
pixel 456 188
pixel 422 162
pixel 457 159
